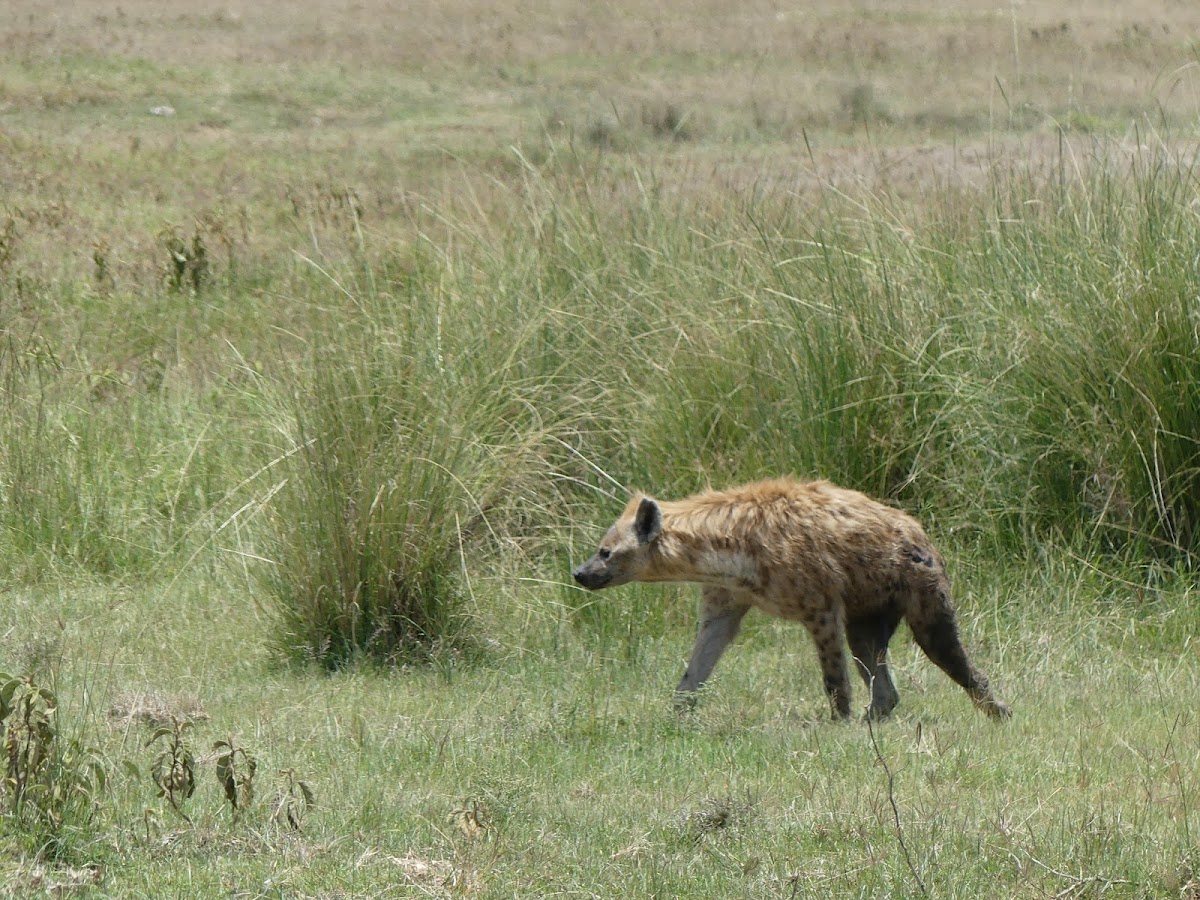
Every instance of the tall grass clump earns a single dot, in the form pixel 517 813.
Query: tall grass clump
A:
pixel 1020 362
pixel 868 359
pixel 1085 418
pixel 382 491
pixel 801 348
pixel 423 439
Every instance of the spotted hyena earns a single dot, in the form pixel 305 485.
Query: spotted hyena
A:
pixel 847 567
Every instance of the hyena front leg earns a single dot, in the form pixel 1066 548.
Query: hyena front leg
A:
pixel 721 617
pixel 829 633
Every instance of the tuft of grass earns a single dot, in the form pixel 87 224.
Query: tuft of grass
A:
pixel 369 529
pixel 422 441
pixel 1084 388
pixel 860 106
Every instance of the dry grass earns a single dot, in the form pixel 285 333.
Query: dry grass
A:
pixel 154 708
pixel 282 111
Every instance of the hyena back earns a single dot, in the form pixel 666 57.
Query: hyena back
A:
pixel 847 567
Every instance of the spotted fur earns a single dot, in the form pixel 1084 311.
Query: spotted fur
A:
pixel 845 566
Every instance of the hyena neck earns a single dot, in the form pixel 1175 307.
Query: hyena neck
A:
pixel 694 549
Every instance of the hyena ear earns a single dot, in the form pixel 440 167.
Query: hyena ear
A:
pixel 647 523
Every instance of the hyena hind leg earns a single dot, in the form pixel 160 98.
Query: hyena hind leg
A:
pixel 936 632
pixel 868 638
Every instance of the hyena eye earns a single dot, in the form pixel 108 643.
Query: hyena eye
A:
pixel 604 553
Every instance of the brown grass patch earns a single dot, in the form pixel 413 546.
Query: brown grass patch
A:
pixel 155 709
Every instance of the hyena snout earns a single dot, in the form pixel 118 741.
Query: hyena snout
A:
pixel 590 577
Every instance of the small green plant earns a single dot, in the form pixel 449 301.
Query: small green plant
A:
pixel 174 768
pixel 295 799
pixel 102 274
pixel 8 243
pixel 27 724
pixel 187 263
pixel 235 771
pixel 49 780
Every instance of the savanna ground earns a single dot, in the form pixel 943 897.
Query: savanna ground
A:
pixel 332 336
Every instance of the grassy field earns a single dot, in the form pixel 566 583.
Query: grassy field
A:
pixel 330 339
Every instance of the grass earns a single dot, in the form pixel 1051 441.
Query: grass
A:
pixel 312 392
pixel 585 780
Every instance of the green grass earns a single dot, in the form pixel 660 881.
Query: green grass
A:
pixel 303 424
pixel 418 468
pixel 586 781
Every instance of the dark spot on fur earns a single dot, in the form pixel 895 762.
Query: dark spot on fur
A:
pixel 921 556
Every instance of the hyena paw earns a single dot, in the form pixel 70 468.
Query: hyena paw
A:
pixel 877 713
pixel 685 702
pixel 997 710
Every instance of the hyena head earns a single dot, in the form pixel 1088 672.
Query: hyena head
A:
pixel 625 550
